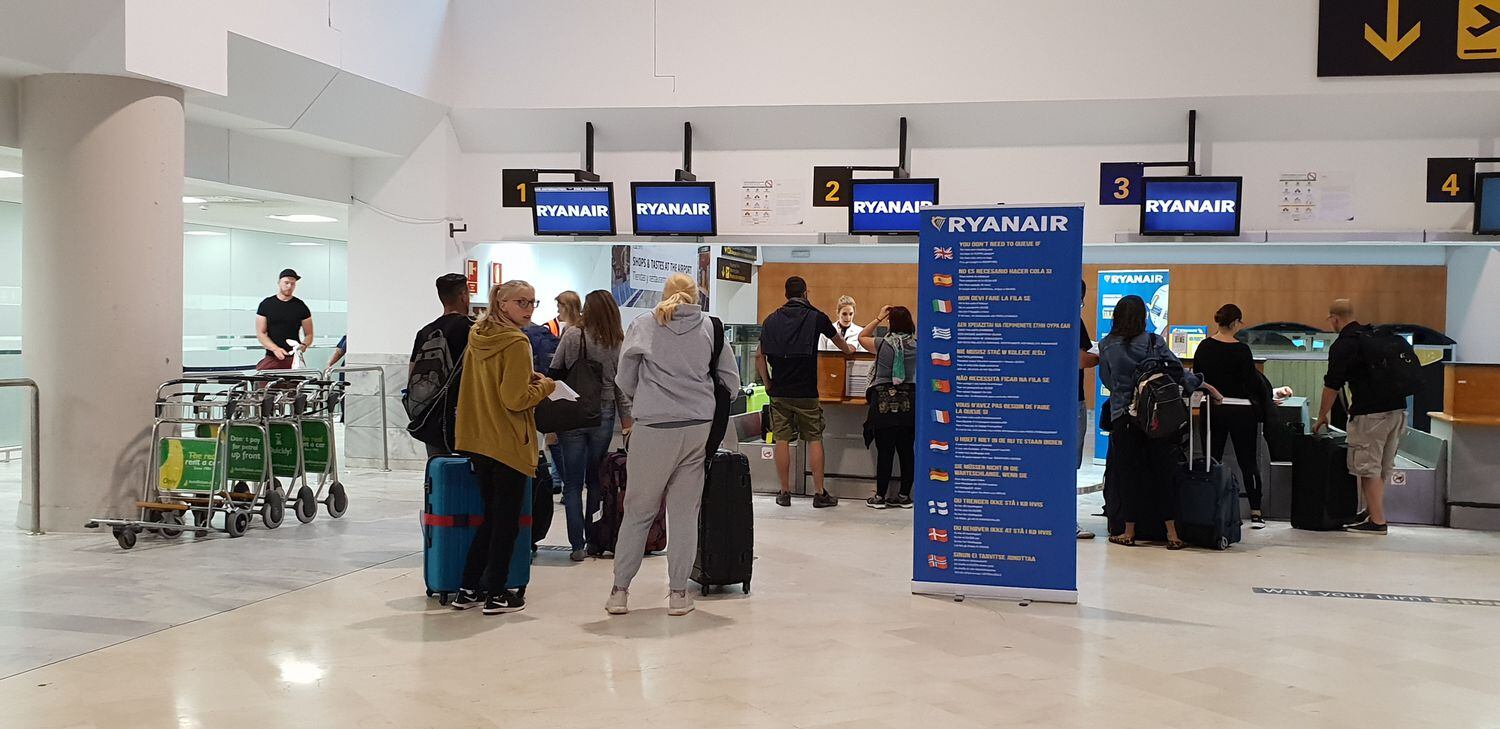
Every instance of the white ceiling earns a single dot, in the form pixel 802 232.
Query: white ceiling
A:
pixel 246 215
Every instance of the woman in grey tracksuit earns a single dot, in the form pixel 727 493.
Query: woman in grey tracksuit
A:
pixel 664 370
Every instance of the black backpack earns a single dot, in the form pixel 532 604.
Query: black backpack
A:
pixel 1391 361
pixel 1158 403
pixel 431 367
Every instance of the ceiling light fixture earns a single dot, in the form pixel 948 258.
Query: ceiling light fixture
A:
pixel 202 232
pixel 301 243
pixel 7 174
pixel 303 218
pixel 190 200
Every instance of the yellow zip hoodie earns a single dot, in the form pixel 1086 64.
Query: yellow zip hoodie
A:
pixel 497 399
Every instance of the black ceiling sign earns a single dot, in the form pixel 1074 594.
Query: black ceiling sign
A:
pixel 1414 37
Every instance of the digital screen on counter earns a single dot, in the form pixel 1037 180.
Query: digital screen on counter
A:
pixel 673 208
pixel 889 207
pixel 1191 205
pixel 1487 203
pixel 573 208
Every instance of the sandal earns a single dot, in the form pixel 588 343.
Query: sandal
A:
pixel 1176 544
pixel 1122 540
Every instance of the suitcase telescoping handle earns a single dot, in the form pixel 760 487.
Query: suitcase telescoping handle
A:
pixel 1208 429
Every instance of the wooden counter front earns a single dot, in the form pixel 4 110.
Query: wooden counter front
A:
pixel 1471 392
pixel 833 374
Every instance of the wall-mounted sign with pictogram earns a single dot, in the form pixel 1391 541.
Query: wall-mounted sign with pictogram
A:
pixel 1415 37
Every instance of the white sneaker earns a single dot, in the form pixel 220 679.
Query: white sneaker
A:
pixel 680 603
pixel 616 605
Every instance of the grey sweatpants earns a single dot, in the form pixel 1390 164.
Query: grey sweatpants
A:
pixel 670 461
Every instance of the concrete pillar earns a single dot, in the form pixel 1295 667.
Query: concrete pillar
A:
pixel 102 270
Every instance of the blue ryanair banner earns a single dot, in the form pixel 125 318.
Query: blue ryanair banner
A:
pixel 997 402
pixel 1154 288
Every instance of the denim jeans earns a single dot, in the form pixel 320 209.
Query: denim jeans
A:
pixel 582 451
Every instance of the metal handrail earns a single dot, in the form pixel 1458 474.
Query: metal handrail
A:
pixel 385 445
pixel 36 447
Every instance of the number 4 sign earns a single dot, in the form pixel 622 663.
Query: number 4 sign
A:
pixel 1450 179
pixel 1120 183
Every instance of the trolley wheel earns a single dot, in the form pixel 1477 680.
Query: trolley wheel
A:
pixel 703 590
pixel 338 500
pixel 444 598
pixel 307 505
pixel 273 510
pixel 1223 543
pixel 236 522
pixel 745 586
pixel 171 518
pixel 125 536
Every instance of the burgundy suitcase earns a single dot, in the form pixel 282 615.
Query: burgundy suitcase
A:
pixel 607 509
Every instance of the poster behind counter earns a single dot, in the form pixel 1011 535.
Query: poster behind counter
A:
pixel 997 402
pixel 1154 288
pixel 638 273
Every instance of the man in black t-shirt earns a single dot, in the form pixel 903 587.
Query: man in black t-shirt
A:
pixel 1377 414
pixel 787 361
pixel 281 319
pixel 1086 360
pixel 439 347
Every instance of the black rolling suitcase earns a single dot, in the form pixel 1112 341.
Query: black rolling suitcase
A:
pixel 726 524
pixel 1325 496
pixel 1208 495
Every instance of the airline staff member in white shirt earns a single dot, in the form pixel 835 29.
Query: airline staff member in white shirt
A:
pixel 845 326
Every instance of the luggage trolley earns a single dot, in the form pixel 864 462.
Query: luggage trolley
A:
pixel 319 449
pixel 290 398
pixel 228 442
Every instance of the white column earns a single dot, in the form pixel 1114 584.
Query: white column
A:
pixel 1473 299
pixel 393 265
pixel 101 280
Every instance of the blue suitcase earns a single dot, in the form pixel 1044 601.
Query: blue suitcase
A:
pixel 451 513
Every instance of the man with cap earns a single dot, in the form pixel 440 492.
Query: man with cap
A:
pixel 281 318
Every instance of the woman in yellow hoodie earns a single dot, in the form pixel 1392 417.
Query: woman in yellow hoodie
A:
pixel 497 399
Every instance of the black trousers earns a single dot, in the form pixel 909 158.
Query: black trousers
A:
pixel 1143 469
pixel 889 444
pixel 1238 422
pixel 503 489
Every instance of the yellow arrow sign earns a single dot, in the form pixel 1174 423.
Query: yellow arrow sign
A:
pixel 1392 44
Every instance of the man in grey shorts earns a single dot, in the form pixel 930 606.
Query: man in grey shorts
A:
pixel 1377 415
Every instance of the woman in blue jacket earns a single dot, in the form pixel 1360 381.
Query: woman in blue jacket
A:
pixel 1141 467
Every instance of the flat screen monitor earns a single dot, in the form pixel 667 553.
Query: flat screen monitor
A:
pixel 1487 203
pixel 673 208
pixel 573 208
pixel 1191 205
pixel 889 207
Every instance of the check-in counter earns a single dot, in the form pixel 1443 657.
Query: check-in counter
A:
pixel 849 466
pixel 1470 423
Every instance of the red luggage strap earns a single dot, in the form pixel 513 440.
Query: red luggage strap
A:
pixel 453 520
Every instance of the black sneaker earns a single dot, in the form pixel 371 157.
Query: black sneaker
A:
pixel 505 602
pixel 825 500
pixel 1257 521
pixel 903 502
pixel 783 499
pixel 1367 527
pixel 878 502
pixel 1359 518
pixel 467 599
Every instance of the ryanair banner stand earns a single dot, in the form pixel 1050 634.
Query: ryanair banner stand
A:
pixel 997 402
pixel 1154 288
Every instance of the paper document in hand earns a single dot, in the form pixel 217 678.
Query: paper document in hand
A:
pixel 1235 401
pixel 563 392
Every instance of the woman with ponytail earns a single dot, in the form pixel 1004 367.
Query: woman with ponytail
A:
pixel 667 369
pixel 497 400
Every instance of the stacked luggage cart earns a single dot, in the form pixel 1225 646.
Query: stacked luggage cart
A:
pixel 227 448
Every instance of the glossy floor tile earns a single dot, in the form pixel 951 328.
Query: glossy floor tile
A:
pixel 326 624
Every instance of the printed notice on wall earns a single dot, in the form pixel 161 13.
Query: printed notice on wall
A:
pixel 997 402
pixel 769 204
pixel 1316 197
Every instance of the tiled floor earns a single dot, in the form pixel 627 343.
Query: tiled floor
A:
pixel 325 625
